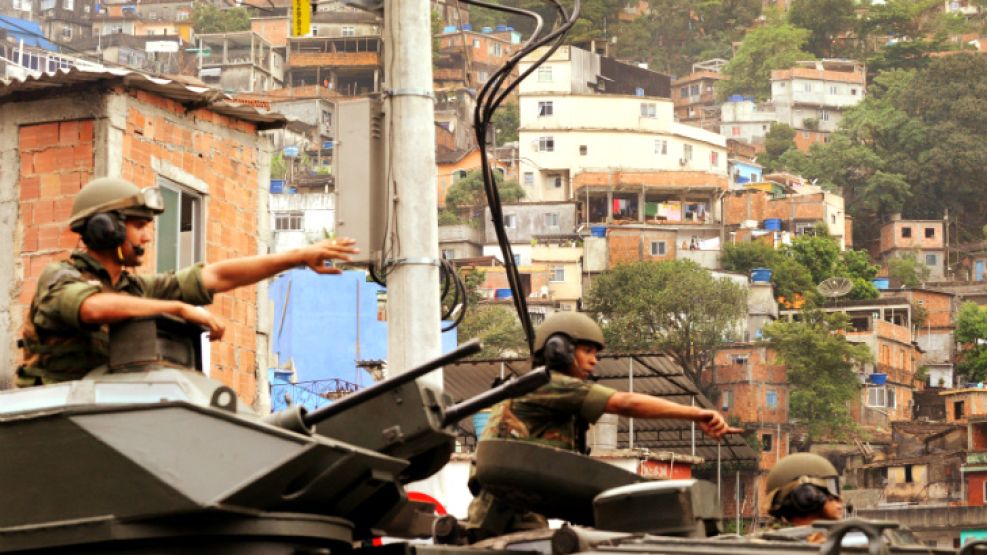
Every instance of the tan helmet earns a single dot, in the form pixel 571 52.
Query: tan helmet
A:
pixel 578 326
pixel 801 468
pixel 109 194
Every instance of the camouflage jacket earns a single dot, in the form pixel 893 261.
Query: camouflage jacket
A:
pixel 555 414
pixel 57 346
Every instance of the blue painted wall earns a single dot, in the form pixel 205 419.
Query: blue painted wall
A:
pixel 746 173
pixel 315 326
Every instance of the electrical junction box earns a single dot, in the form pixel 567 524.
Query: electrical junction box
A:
pixel 361 164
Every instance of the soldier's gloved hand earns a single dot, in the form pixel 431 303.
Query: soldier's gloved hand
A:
pixel 203 317
pixel 316 255
pixel 714 425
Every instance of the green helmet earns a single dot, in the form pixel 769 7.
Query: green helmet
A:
pixel 578 326
pixel 801 468
pixel 113 194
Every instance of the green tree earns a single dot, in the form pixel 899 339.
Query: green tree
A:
pixel 797 269
pixel 208 18
pixel 506 120
pixel 496 326
pixel 826 20
pixel 776 45
pixel 949 100
pixel 779 140
pixel 467 198
pixel 971 334
pixel 820 365
pixel 676 307
pixel 676 33
pixel 907 269
pixel 789 278
pixel 856 265
pixel 818 253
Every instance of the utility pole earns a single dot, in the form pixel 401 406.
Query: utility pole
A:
pixel 413 323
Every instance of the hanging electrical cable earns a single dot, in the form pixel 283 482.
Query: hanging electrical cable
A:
pixel 490 97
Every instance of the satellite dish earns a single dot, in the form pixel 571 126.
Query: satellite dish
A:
pixel 835 287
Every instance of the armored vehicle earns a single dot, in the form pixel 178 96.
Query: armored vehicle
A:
pixel 149 455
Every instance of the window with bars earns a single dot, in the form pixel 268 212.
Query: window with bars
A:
pixel 288 221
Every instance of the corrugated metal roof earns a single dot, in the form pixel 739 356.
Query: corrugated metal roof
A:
pixel 205 97
pixel 654 374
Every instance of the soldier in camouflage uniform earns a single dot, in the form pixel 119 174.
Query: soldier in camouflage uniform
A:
pixel 66 333
pixel 559 413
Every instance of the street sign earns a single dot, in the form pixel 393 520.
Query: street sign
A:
pixel 301 18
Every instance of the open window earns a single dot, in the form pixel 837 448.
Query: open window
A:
pixel 180 230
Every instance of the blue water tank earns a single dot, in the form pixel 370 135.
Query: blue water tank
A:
pixel 735 98
pixel 467 27
pixel 881 283
pixel 772 224
pixel 277 186
pixel 598 230
pixel 878 379
pixel 761 275
pixel 503 294
pixel 449 29
pixel 500 28
pixel 487 30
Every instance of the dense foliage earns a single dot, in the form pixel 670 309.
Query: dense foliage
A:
pixel 820 365
pixel 676 307
pixel 971 335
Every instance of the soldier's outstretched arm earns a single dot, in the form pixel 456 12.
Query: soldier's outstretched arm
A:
pixel 106 308
pixel 637 405
pixel 236 272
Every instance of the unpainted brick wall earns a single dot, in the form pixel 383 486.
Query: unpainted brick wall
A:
pixel 159 128
pixel 56 159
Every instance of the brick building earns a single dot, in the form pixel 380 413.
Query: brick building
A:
pixel 934 332
pixel 924 239
pixel 349 65
pixel 695 97
pixel 798 208
pixel 885 327
pixel 204 152
pixel 467 58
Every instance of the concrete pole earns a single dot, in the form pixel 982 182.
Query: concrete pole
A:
pixel 413 285
pixel 630 387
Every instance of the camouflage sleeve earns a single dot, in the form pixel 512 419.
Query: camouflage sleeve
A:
pixel 61 291
pixel 184 285
pixel 572 395
pixel 596 402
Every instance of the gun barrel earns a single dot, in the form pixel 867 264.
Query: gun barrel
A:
pixel 511 388
pixel 466 349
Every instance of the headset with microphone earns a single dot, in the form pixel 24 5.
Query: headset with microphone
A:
pixel 107 231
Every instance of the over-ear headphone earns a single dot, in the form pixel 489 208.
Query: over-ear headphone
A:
pixel 560 352
pixel 104 231
pixel 807 498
